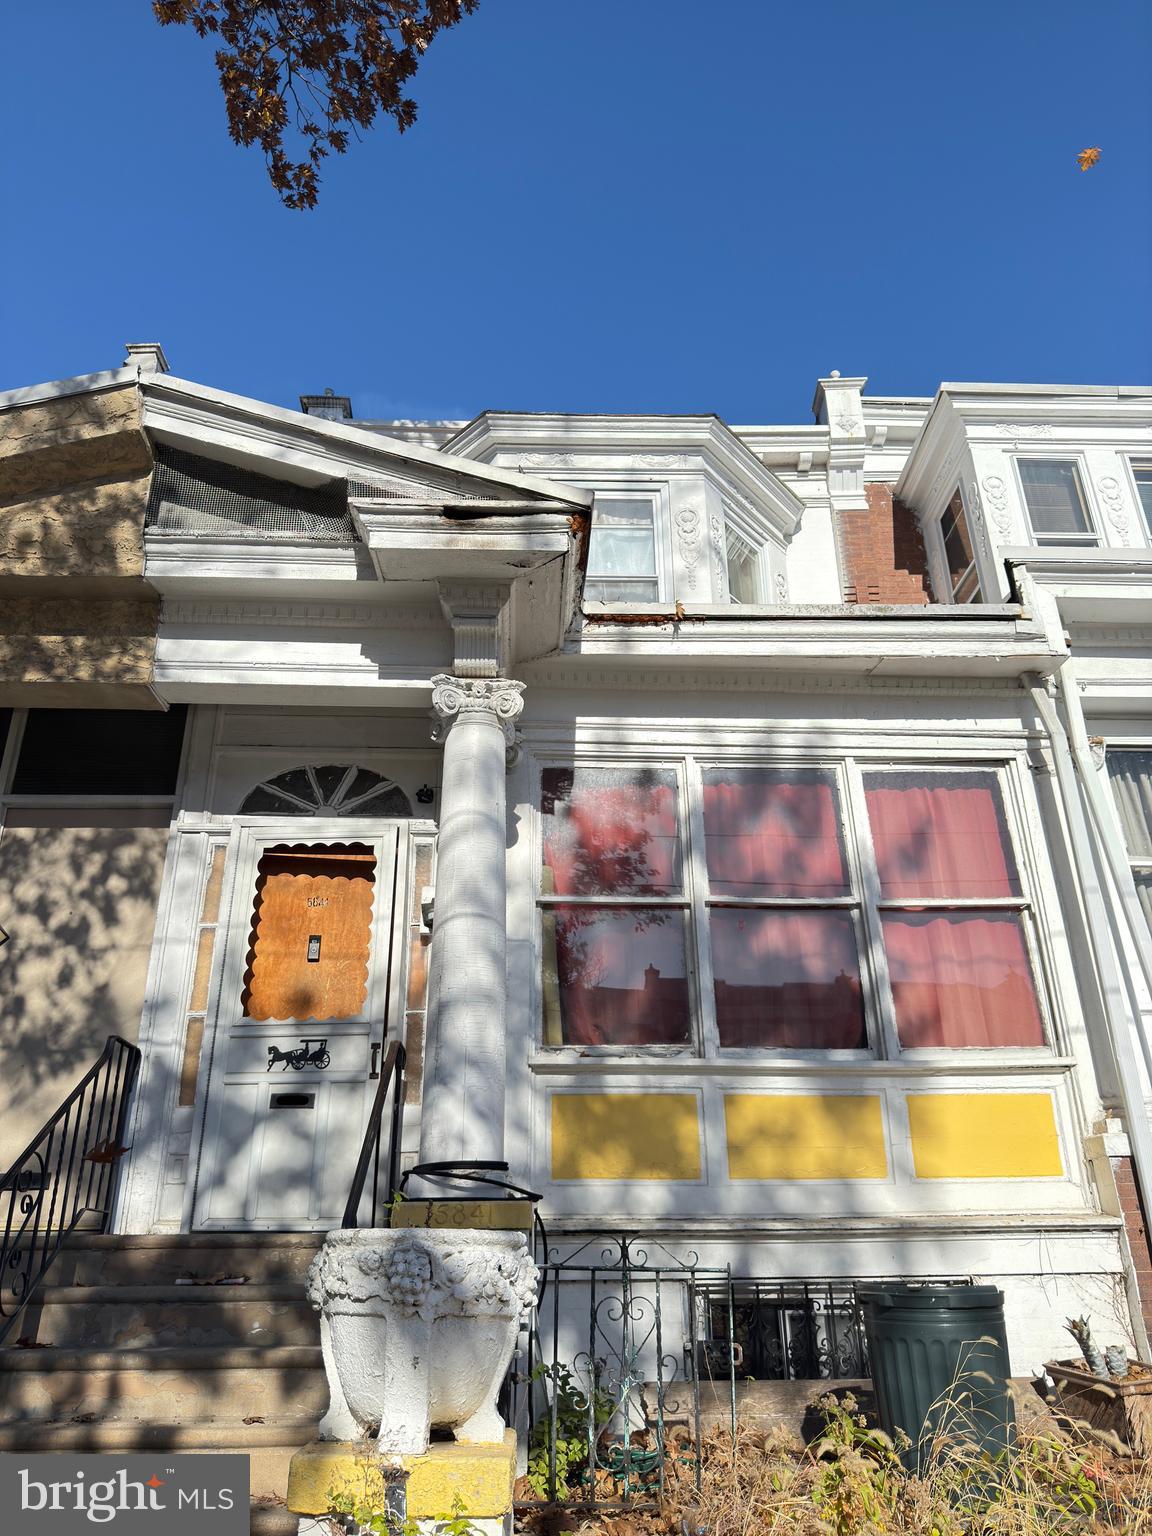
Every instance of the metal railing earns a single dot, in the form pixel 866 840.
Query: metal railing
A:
pixel 65 1178
pixel 366 1179
pixel 608 1385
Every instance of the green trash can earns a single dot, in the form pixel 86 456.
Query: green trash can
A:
pixel 940 1365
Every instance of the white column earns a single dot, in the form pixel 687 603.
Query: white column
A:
pixel 462 1113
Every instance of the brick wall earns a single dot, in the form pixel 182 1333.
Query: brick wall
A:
pixel 881 552
pixel 1137 1230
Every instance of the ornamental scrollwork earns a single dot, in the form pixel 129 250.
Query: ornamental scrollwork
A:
pixel 687 521
pixel 1112 495
pixel 499 698
pixel 996 490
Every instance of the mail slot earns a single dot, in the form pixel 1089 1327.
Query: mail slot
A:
pixel 293 1101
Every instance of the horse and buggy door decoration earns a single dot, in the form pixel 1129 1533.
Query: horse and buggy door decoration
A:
pixel 305 987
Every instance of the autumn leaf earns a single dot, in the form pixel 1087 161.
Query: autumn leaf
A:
pixel 1088 157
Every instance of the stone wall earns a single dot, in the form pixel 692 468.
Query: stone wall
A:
pixel 81 888
pixel 77 619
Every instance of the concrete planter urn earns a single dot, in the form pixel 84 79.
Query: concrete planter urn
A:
pixel 417 1327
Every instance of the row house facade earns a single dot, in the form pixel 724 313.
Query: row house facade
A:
pixel 746 828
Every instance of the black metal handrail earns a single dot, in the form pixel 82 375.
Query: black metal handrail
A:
pixel 65 1176
pixel 391 1077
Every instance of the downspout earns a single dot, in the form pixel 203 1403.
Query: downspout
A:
pixel 1128 1070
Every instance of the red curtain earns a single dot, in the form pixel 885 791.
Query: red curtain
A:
pixel 787 979
pixel 959 980
pixel 613 840
pixel 621 976
pixel 940 837
pixel 771 835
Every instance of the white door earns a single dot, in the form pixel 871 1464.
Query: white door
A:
pixel 307 987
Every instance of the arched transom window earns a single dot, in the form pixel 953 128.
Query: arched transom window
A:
pixel 336 789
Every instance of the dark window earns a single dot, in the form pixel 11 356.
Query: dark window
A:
pixel 100 752
pixel 5 725
pixel 958 552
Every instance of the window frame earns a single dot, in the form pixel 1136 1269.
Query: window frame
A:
pixel 1141 464
pixel 1092 538
pixel 656 494
pixel 883 1048
pixel 973 567
pixel 1138 863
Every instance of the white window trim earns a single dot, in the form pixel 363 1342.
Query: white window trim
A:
pixel 884 1051
pixel 624 486
pixel 1094 538
pixel 1133 462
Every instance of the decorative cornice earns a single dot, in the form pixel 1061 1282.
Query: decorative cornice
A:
pixel 498 698
pixel 652 681
pixel 327 615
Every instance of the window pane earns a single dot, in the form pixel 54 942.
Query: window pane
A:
pixel 957 540
pixel 610 831
pixel 621 591
pixel 940 834
pixel 1131 775
pixel 615 976
pixel 961 980
pixel 622 545
pixel 772 833
pixel 1052 491
pixel 1143 473
pixel 787 979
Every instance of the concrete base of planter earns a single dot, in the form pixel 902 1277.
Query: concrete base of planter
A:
pixel 474 1478
pixel 1120 1410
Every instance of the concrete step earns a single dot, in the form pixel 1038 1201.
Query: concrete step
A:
pixel 276 1520
pixel 145 1258
pixel 148 1316
pixel 163 1384
pixel 269 1446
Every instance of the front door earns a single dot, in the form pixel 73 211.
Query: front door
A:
pixel 302 1003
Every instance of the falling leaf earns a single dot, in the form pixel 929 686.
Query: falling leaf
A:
pixel 1088 157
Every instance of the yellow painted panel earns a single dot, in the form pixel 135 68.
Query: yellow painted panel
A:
pixel 805 1136
pixel 479 1477
pixel 984 1136
pixel 625 1136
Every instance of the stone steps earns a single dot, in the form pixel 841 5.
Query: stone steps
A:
pixel 147 1258
pixel 134 1361
pixel 148 1316
pixel 182 1383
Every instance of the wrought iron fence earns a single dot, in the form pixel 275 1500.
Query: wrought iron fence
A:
pixel 794 1330
pixel 608 1386
pixel 66 1178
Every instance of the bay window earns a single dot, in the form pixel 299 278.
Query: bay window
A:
pixel 622 564
pixel 805 908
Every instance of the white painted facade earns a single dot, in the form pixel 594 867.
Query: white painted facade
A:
pixel 293 652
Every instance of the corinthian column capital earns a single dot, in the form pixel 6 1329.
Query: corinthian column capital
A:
pixel 497 698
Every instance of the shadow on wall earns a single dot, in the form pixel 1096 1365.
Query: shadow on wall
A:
pixel 80 893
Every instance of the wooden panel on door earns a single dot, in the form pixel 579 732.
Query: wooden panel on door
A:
pixel 311 931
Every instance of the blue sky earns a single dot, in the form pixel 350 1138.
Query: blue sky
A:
pixel 622 205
